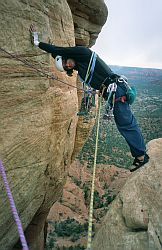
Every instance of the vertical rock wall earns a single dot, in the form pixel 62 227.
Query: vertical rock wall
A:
pixel 37 127
pixel 38 116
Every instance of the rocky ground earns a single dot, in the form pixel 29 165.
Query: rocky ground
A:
pixel 71 211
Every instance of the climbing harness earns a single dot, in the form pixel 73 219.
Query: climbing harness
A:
pixel 13 208
pixel 129 97
pixel 89 241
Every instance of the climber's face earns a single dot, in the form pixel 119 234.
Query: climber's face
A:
pixel 68 64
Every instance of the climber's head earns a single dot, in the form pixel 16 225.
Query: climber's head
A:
pixel 65 64
pixel 68 63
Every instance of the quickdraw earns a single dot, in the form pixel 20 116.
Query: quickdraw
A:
pixel 89 93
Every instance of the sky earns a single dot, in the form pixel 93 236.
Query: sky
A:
pixel 132 35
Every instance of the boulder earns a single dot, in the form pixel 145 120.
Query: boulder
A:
pixel 134 220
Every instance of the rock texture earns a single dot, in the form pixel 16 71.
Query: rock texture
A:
pixel 89 16
pixel 134 219
pixel 38 116
pixel 85 123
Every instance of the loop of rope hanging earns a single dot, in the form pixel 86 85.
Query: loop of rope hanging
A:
pixel 89 241
pixel 27 63
pixel 13 208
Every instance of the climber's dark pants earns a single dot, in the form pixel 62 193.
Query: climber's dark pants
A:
pixel 127 124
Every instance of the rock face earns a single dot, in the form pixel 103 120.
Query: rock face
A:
pixel 134 219
pixel 38 116
pixel 89 16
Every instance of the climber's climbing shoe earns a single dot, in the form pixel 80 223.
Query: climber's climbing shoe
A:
pixel 139 163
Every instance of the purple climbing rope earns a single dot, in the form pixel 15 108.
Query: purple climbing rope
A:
pixel 13 208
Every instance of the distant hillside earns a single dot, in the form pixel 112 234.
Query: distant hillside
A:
pixel 136 74
pixel 136 70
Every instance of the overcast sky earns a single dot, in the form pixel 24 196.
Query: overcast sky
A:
pixel 132 35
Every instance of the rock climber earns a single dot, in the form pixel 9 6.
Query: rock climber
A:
pixel 68 59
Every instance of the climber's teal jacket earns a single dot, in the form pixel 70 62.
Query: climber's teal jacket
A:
pixel 81 56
